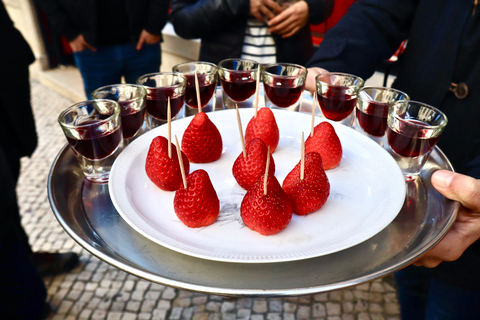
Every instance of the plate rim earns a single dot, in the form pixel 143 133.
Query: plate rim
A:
pixel 219 115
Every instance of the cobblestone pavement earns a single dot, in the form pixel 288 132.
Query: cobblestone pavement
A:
pixel 96 290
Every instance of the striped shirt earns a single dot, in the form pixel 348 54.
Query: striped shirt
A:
pixel 258 43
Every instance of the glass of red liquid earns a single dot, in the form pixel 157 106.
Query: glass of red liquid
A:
pixel 284 84
pixel 238 78
pixel 372 110
pixel 413 130
pixel 93 131
pixel 160 86
pixel 337 95
pixel 131 98
pixel 207 84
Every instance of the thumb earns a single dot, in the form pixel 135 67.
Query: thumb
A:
pixel 458 187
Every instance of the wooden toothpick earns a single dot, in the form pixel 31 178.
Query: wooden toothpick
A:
pixel 314 109
pixel 197 89
pixel 266 172
pixel 180 161
pixel 256 90
pixel 169 126
pixel 302 159
pixel 242 139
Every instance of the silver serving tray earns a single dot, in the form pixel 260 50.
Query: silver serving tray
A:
pixel 85 211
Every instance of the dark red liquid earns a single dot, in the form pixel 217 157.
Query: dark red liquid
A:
pixel 206 91
pixel 411 143
pixel 336 105
pixel 374 118
pixel 283 94
pixel 95 147
pixel 131 120
pixel 157 102
pixel 241 87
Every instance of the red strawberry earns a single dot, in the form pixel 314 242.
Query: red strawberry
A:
pixel 202 142
pixel 198 205
pixel 162 170
pixel 326 142
pixel 263 126
pixel 247 170
pixel 267 214
pixel 311 193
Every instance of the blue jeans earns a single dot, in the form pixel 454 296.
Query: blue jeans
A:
pixel 423 297
pixel 109 63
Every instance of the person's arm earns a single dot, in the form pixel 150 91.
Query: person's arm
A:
pixel 59 20
pixel 198 19
pixel 157 16
pixel 368 34
pixel 466 228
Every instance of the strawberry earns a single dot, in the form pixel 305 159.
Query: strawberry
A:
pixel 263 126
pixel 202 142
pixel 326 142
pixel 198 204
pixel 311 193
pixel 247 170
pixel 267 214
pixel 162 170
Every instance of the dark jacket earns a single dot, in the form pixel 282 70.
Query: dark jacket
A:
pixel 371 32
pixel 221 27
pixel 74 17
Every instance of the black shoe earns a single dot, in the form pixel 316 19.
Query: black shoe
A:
pixel 50 264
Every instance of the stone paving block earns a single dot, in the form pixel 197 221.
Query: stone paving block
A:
pixel 213 306
pixel 275 305
pixel 133 306
pixel 176 313
pixel 260 306
pixel 274 316
pixel 159 314
pixel 227 306
pixel 129 316
pixel 319 310
pixel 333 309
pixel 114 316
pixel 169 294
pixel 303 313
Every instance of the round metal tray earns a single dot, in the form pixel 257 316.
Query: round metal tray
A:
pixel 85 211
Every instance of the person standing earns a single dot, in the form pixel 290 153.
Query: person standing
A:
pixel 261 30
pixel 110 39
pixel 22 291
pixel 440 66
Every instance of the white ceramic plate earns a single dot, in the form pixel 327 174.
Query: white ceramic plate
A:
pixel 367 192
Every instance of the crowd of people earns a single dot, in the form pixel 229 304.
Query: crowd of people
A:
pixel 112 39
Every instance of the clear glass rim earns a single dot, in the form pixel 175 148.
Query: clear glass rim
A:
pixel 121 85
pixel 210 64
pixel 352 76
pixel 239 59
pixel 418 125
pixel 154 74
pixel 62 115
pixel 300 67
pixel 387 89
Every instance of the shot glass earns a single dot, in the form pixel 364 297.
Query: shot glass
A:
pixel 131 98
pixel 337 96
pixel 93 131
pixel 207 84
pixel 413 130
pixel 238 78
pixel 284 84
pixel 372 110
pixel 161 86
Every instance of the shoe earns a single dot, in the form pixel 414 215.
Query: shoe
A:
pixel 51 264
